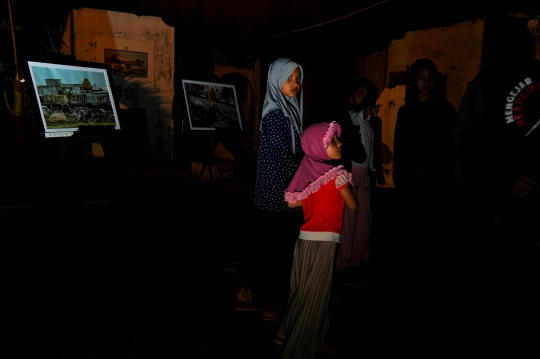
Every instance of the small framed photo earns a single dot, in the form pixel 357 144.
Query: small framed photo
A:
pixel 398 78
pixel 212 106
pixel 127 63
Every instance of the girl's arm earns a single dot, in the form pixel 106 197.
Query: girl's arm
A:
pixel 348 196
pixel 364 114
pixel 294 204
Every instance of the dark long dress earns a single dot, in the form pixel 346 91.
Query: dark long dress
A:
pixel 424 148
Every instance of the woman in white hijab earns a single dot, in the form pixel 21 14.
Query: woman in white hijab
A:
pixel 266 266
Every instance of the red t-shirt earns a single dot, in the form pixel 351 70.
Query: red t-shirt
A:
pixel 323 214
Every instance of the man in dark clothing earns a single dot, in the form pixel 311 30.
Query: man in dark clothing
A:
pixel 501 112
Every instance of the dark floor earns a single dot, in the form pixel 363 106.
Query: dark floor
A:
pixel 109 262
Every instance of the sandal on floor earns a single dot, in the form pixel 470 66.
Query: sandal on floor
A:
pixel 246 307
pixel 278 341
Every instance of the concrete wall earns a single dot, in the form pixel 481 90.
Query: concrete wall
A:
pixel 91 31
pixel 456 50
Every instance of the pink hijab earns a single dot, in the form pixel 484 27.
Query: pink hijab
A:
pixel 316 168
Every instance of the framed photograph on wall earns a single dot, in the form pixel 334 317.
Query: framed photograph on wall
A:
pixel 398 78
pixel 212 106
pixel 132 50
pixel 127 63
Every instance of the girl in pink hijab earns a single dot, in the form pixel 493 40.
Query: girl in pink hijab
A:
pixel 322 190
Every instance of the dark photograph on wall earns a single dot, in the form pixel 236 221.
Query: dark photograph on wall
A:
pixel 212 106
pixel 127 63
pixel 397 78
pixel 71 95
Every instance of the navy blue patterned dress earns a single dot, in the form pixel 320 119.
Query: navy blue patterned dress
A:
pixel 276 162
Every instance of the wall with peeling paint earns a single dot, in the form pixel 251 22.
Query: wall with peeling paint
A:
pixel 251 106
pixel 456 50
pixel 90 31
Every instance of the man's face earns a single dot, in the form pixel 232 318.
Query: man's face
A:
pixel 424 81
pixel 534 28
pixel 358 95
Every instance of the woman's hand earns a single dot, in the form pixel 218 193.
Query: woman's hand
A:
pixel 524 186
pixel 371 110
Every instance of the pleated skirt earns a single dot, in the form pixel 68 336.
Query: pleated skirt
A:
pixel 354 246
pixel 306 322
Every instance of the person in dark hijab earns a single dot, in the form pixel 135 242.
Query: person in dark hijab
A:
pixel 424 135
pixel 424 163
pixel 498 137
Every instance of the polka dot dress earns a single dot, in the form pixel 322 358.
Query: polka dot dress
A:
pixel 276 162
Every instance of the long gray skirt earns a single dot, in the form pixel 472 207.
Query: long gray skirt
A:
pixel 305 322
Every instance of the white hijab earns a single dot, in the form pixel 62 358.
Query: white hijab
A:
pixel 278 73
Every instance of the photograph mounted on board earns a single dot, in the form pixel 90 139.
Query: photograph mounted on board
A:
pixel 212 106
pixel 69 94
pixel 127 63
